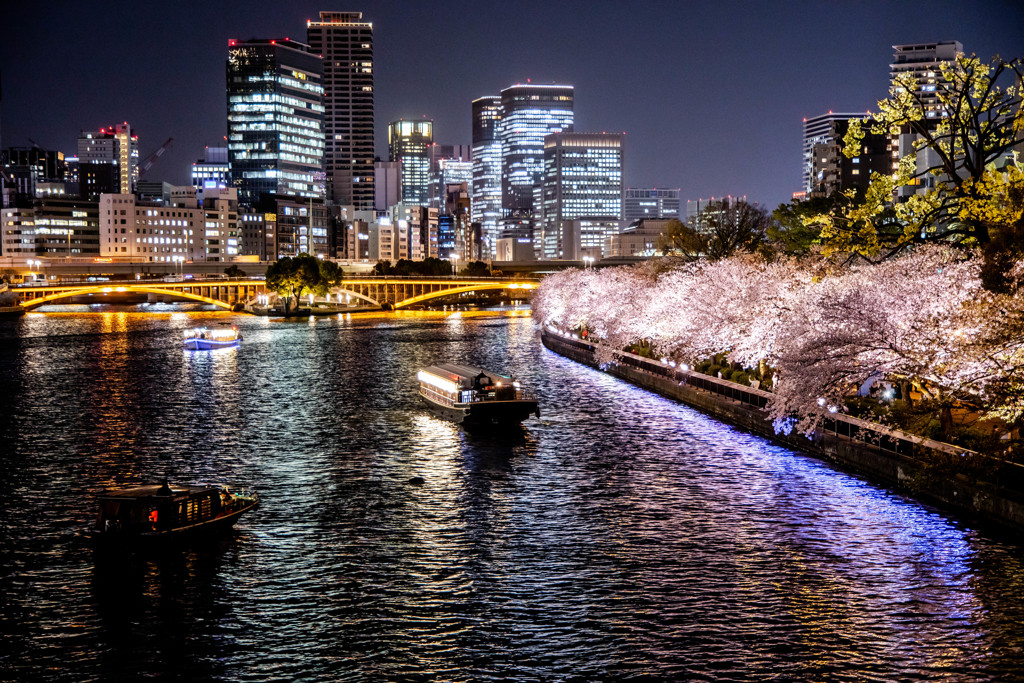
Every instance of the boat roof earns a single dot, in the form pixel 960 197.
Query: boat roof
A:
pixel 456 372
pixel 150 491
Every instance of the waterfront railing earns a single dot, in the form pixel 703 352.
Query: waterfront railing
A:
pixel 844 426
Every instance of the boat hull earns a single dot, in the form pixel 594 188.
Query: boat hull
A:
pixel 210 527
pixel 209 344
pixel 485 413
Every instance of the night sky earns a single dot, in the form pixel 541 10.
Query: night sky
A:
pixel 711 95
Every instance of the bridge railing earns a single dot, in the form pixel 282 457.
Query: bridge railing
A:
pixel 446 278
pixel 130 282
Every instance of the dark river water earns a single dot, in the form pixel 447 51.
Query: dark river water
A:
pixel 621 536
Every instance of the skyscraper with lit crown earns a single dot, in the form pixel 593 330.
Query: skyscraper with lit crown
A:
pixel 409 143
pixel 345 42
pixel 529 112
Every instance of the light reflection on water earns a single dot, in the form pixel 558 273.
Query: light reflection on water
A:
pixel 620 535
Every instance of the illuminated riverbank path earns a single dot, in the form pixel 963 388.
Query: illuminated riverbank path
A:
pixel 393 292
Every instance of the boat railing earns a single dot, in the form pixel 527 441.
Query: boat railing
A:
pixel 520 395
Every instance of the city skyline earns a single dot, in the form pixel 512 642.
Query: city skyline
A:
pixel 711 97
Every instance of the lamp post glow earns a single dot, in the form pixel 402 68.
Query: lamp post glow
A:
pixel 454 258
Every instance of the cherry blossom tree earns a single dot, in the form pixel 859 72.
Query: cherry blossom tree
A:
pixel 923 318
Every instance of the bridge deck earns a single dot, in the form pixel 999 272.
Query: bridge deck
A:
pixel 394 291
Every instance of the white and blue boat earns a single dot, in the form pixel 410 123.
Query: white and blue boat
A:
pixel 207 339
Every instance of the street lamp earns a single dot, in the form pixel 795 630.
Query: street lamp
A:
pixel 455 264
pixel 588 261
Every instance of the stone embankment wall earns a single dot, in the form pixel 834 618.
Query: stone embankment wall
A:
pixel 995 497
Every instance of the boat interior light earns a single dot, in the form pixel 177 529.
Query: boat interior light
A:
pixel 435 381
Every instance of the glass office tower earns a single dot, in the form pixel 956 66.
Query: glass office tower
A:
pixel 583 183
pixel 486 185
pixel 528 114
pixel 275 119
pixel 408 143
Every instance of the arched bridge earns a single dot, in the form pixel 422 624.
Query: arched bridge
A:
pixel 399 292
pixel 393 292
pixel 224 293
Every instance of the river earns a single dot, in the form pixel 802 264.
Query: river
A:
pixel 620 536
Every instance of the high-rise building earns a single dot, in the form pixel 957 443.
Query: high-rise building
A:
pixel 696 209
pixel 528 114
pixel 275 119
pixel 641 203
pixel 408 143
pixel 486 185
pixel 924 61
pixel 832 171
pixel 346 43
pixel 820 130
pixel 582 197
pixel 108 161
pixel 448 172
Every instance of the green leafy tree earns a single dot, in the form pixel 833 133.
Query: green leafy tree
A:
pixel 290 277
pixel 960 189
pixel 725 229
pixel 233 271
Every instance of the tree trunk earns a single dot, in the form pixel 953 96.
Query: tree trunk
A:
pixel 946 420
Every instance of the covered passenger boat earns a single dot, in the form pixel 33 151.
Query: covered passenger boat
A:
pixel 164 511
pixel 473 396
pixel 207 339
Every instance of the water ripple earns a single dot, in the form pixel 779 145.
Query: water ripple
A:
pixel 621 537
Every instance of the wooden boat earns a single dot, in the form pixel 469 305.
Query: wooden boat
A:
pixel 164 511
pixel 206 339
pixel 471 396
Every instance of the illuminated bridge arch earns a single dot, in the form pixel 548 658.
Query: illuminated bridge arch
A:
pixel 399 293
pixel 222 293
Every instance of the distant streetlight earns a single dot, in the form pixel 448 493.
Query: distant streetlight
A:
pixel 455 264
pixel 588 261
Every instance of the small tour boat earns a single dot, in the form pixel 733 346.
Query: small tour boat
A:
pixel 473 396
pixel 163 511
pixel 205 339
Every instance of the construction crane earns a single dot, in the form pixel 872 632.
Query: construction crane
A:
pixel 151 159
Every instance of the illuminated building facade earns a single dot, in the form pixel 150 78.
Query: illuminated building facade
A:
pixel 179 230
pixel 51 227
pixel 529 113
pixel 832 171
pixel 108 161
pixel 346 43
pixel 582 194
pixel 212 169
pixel 275 119
pixel 486 185
pixel 448 172
pixel 639 203
pixel 924 61
pixel 820 130
pixel 408 144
